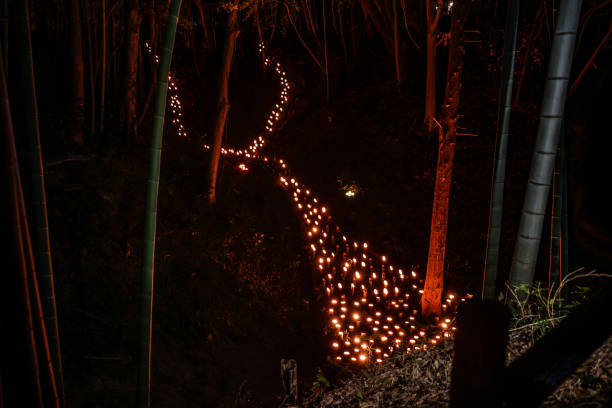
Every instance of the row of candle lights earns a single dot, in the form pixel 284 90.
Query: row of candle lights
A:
pixel 372 306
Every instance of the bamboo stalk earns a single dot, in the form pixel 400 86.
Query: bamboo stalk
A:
pixel 148 263
pixel 538 186
pixel 33 280
pixel 39 200
pixel 18 230
pixel 556 223
pixel 501 152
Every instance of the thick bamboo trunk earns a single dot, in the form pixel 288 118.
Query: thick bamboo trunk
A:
pixel 547 140
pixel 130 95
pixel 40 230
pixel 222 100
pixel 431 299
pixel 501 151
pixel 78 75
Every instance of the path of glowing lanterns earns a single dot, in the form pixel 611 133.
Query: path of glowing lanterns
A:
pixel 372 306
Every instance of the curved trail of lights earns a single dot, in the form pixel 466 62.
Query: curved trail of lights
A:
pixel 373 307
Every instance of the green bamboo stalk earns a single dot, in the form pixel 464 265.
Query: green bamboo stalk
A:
pixel 557 256
pixel 35 294
pixel 148 262
pixel 501 151
pixel 40 226
pixel 538 186
pixel 13 168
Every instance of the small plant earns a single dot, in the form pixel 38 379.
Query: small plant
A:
pixel 539 309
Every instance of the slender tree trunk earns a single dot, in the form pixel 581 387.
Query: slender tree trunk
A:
pixel 501 150
pixel 354 48
pixel 564 216
pixel 130 94
pixel 91 57
pixel 430 70
pixel 538 186
pixel 534 33
pixel 54 399
pixel 260 35
pixel 13 169
pixel 148 262
pixel 222 99
pixel 5 39
pixel 434 278
pixel 208 43
pixel 398 76
pixel 39 201
pixel 312 54
pixel 377 20
pixel 103 67
pixel 588 64
pixel 558 236
pixel 78 75
pixel 325 50
pixel 342 36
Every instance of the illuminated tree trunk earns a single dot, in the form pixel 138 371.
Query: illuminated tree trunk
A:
pixel 131 67
pixel 222 99
pixel 431 299
pixel 40 229
pixel 78 75
pixel 547 140
pixel 430 70
pixel 148 261
pixel 501 150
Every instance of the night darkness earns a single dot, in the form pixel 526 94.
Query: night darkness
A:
pixel 408 199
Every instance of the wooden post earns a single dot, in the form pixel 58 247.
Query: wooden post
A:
pixel 480 353
pixel 538 372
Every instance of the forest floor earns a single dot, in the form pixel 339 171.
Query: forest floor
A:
pixel 233 287
pixel 422 379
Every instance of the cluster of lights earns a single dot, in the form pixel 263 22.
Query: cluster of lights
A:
pixel 372 306
pixel 176 106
